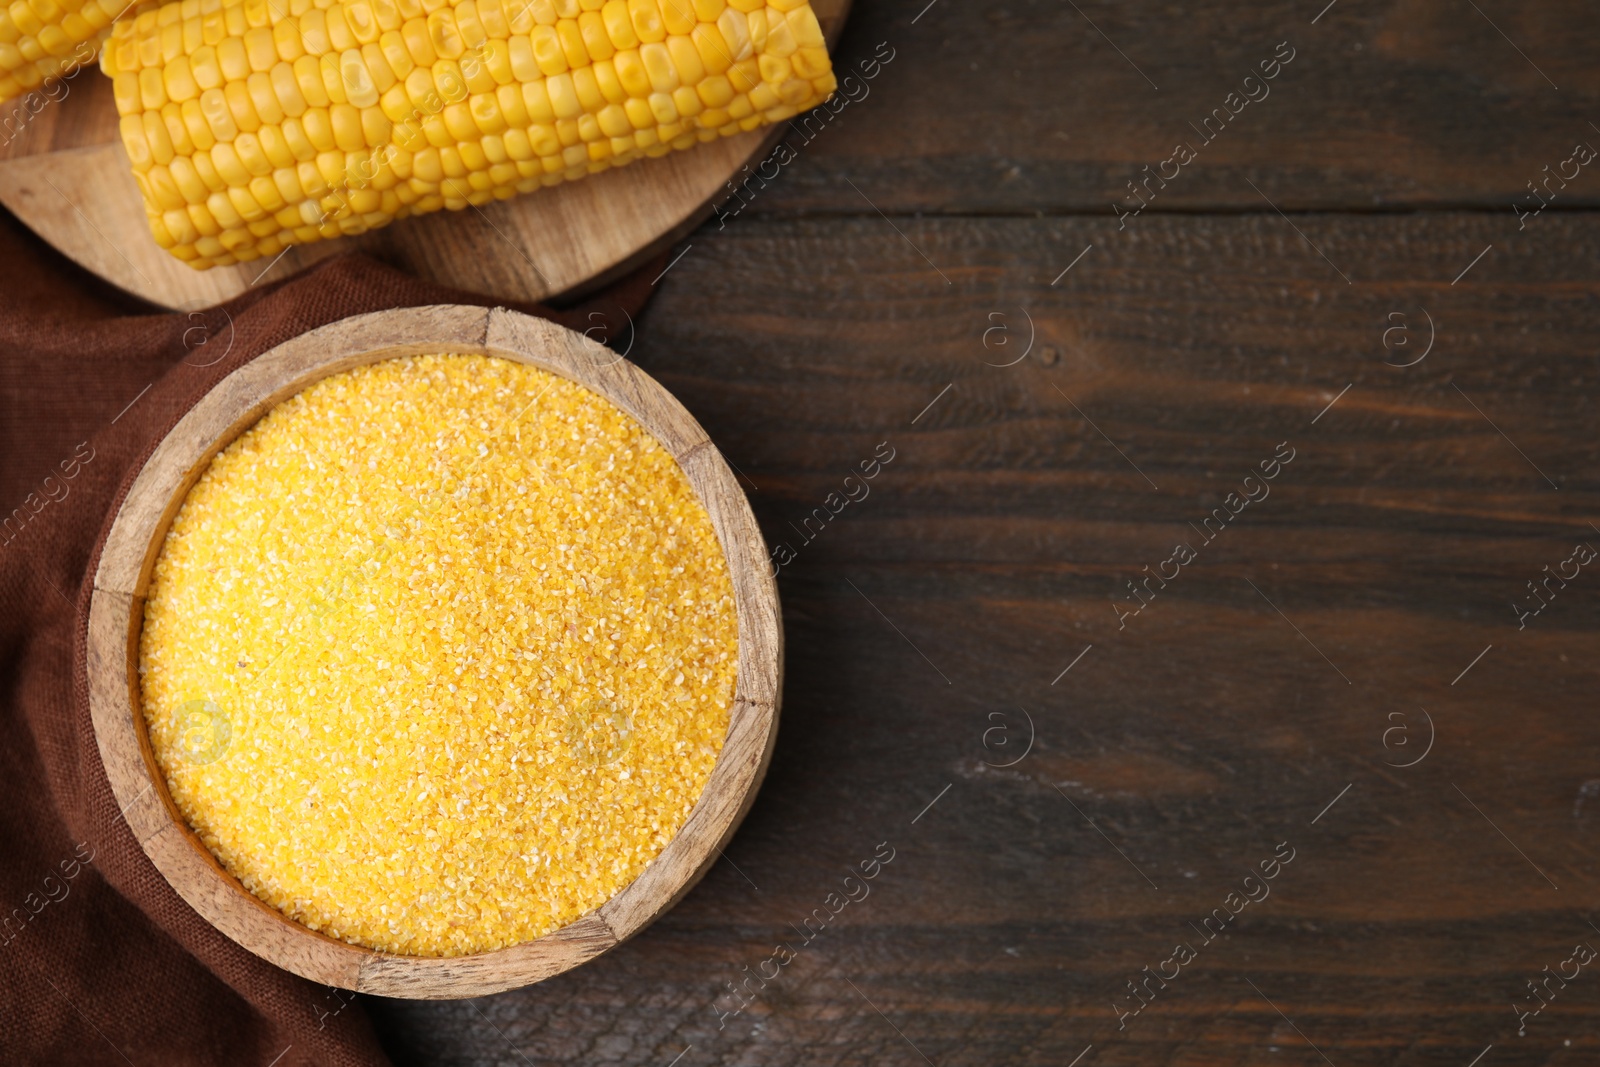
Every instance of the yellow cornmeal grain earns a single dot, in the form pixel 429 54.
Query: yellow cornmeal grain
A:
pixel 439 655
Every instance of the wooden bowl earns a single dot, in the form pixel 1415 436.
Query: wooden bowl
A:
pixel 116 612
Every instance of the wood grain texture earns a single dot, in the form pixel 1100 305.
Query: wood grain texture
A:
pixel 1023 106
pixel 123 576
pixel 988 555
pixel 64 172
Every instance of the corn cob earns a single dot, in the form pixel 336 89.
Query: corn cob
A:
pixel 42 39
pixel 253 125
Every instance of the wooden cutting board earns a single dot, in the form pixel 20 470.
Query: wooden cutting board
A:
pixel 65 174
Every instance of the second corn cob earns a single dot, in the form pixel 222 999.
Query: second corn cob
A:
pixel 253 125
pixel 42 39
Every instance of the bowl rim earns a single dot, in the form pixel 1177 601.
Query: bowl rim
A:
pixel 127 559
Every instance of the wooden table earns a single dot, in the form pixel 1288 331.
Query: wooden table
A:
pixel 1355 618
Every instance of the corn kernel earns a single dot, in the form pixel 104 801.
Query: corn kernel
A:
pixel 664 110
pixel 677 17
pixel 780 38
pixel 163 189
pixel 445 35
pixel 356 80
pixel 346 122
pixel 308 76
pixel 735 28
pixel 492 16
pixel 332 77
pixel 468 25
pixel 260 49
pixel 646 17
pixel 810 63
pixel 497 61
pixel 587 87
pixel 415 36
pixel 714 51
pixel 318 126
pixel 179 81
pixel 298 141
pixel 563 97
pixel 240 106
pixel 340 37
pixel 214 106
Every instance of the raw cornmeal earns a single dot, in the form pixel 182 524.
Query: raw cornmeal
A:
pixel 439 655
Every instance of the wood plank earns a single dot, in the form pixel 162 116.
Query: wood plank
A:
pixel 1023 106
pixel 986 557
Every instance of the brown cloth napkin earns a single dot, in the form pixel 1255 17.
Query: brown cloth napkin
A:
pixel 100 961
